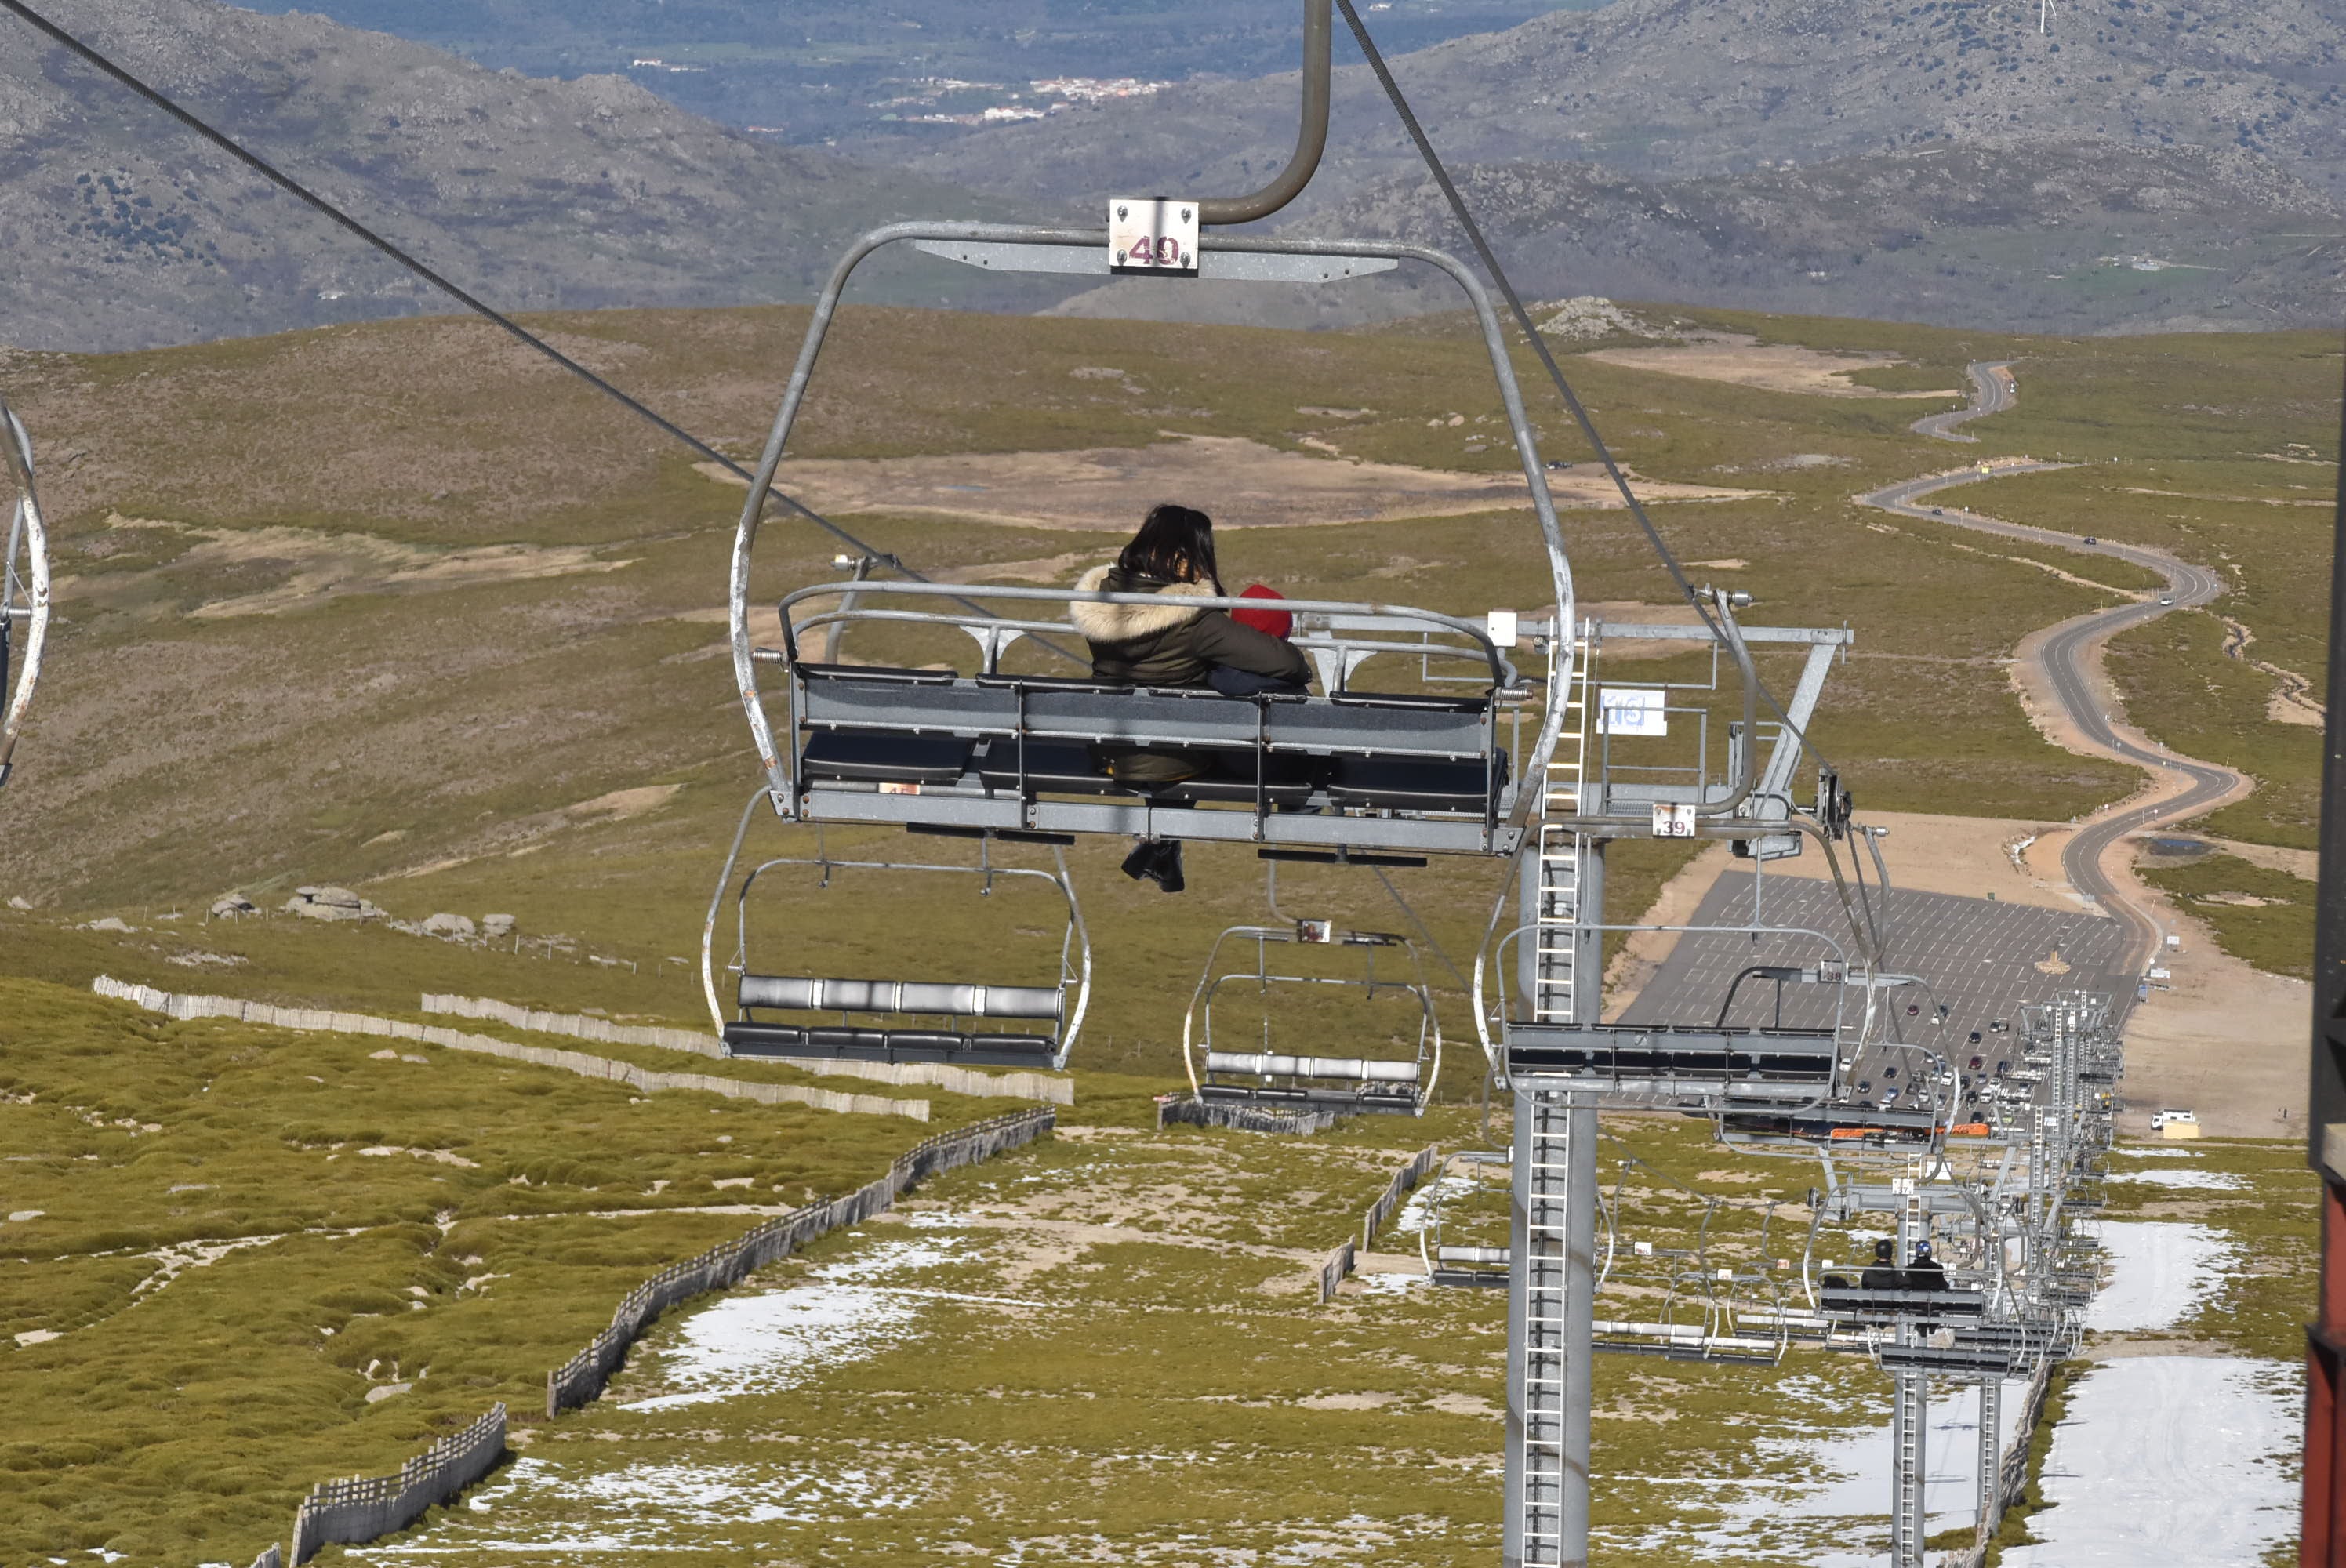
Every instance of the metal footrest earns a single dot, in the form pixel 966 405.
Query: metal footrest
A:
pixel 780 1042
pixel 1860 1301
pixel 1739 1064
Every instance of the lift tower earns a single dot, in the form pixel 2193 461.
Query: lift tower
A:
pixel 1608 779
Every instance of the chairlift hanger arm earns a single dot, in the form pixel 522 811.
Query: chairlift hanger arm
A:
pixel 1310 137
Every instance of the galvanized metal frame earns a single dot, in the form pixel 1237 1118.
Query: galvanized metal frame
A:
pixel 1075 948
pixel 24 590
pixel 1118 819
pixel 1198 1021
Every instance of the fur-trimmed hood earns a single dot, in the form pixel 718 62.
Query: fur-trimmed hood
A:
pixel 1114 624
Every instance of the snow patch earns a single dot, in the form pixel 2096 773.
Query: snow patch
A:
pixel 2201 1181
pixel 2162 1272
pixel 2161 1450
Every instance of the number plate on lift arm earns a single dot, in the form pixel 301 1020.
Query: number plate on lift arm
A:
pixel 1673 821
pixel 1152 234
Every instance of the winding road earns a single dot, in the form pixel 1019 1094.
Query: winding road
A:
pixel 2063 652
pixel 1993 392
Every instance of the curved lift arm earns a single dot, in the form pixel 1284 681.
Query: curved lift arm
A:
pixel 27 535
pixel 1310 137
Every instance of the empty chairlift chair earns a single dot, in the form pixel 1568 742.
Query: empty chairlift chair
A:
pixel 1253 1071
pixel 1466 1198
pixel 951 1018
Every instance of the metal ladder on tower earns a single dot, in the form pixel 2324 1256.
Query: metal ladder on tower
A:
pixel 1909 1418
pixel 1547 1513
pixel 1562 851
pixel 1544 1182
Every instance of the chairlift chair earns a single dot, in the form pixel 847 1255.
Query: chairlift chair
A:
pixel 982 746
pixel 1449 1260
pixel 1263 1075
pixel 24 589
pixel 789 1015
pixel 1706 1299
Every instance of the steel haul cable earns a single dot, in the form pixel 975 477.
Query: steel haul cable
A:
pixel 463 297
pixel 1466 218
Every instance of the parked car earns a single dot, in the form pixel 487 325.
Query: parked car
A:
pixel 1977 1062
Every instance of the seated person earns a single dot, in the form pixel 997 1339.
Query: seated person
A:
pixel 1170 644
pixel 1883 1273
pixel 1926 1272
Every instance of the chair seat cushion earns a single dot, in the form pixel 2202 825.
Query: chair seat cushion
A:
pixel 886 758
pixel 1411 784
pixel 1046 767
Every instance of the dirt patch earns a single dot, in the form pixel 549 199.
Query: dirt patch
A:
pixel 2220 1037
pixel 314 567
pixel 2286 707
pixel 2305 864
pixel 1772 367
pixel 1243 483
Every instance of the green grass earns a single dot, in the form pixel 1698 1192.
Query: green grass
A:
pixel 1135 1389
pixel 186 1420
pixel 2267 1292
pixel 2275 932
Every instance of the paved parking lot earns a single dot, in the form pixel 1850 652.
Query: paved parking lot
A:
pixel 1980 959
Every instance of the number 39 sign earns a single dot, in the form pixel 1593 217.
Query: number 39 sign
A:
pixel 1673 821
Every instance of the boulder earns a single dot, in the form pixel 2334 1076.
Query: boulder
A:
pixel 453 927
pixel 497 925
pixel 330 904
pixel 232 906
pixel 110 923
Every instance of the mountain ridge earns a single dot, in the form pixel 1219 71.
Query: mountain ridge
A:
pixel 538 194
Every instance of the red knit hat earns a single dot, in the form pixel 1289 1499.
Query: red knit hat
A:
pixel 1275 623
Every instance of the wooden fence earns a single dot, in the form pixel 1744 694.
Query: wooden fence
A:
pixel 584 1375
pixel 364 1506
pixel 1403 1181
pixel 584 1064
pixel 1040 1086
pixel 1333 1270
pixel 1185 1108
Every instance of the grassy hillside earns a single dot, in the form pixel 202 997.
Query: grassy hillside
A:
pixel 226 1247
pixel 395 608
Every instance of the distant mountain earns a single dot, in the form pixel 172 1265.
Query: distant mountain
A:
pixel 2062 236
pixel 813 70
pixel 1684 147
pixel 120 229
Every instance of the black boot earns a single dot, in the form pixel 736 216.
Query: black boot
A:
pixel 1166 870
pixel 1142 861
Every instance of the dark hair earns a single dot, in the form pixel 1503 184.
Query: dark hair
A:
pixel 1170 536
